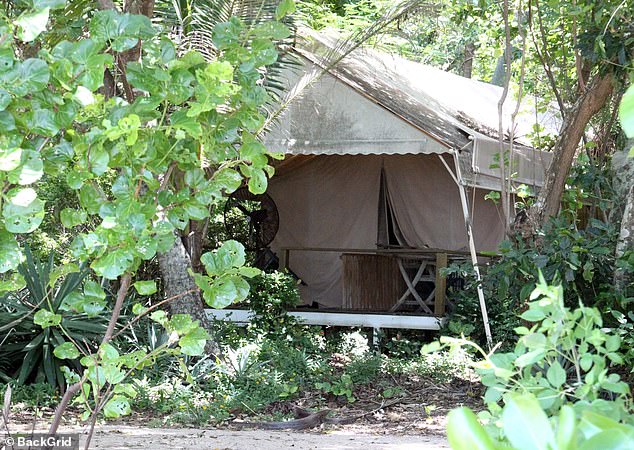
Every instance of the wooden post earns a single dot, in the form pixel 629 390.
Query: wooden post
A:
pixel 441 284
pixel 285 258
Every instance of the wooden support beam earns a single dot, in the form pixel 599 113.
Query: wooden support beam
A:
pixel 285 259
pixel 441 284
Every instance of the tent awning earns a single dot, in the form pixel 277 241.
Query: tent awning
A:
pixel 342 146
pixel 528 164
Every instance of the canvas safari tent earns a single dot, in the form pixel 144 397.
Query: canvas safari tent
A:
pixel 387 166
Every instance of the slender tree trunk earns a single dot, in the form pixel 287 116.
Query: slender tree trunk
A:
pixel 623 279
pixel 469 54
pixel 623 211
pixel 499 74
pixel 577 118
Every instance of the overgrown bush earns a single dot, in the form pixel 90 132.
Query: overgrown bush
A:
pixel 270 297
pixel 562 366
pixel 581 260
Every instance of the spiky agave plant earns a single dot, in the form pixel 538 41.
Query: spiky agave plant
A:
pixel 26 340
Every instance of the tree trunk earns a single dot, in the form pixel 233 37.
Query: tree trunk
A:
pixel 499 74
pixel 467 65
pixel 174 265
pixel 623 211
pixel 577 118
pixel 194 243
pixel 622 278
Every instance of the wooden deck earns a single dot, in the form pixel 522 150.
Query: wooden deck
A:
pixel 391 279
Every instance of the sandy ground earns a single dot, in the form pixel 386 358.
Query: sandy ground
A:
pixel 415 421
pixel 159 439
pixel 115 437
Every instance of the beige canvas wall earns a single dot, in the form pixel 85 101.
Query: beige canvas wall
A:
pixel 332 201
pixel 427 206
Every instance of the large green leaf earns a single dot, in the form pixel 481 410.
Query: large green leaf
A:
pixel 10 158
pixel 145 287
pixel 112 264
pixel 46 318
pixel 230 254
pixel 526 425
pixel 530 358
pixel 29 77
pixel 66 351
pixel 193 343
pixel 5 99
pixel 122 31
pixel 31 168
pixel 91 198
pixel 53 4
pixel 117 406
pixel 285 7
pixel 10 254
pixel 257 181
pixel 22 210
pixel 227 179
pixel 224 291
pixel 556 375
pixel 7 121
pixel 32 23
pixel 465 432
pixel 566 428
pixel 42 121
pixel 98 159
pixel 72 217
pixel 190 125
pixel 610 440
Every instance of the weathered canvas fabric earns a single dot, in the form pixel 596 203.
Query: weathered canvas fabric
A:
pixel 332 201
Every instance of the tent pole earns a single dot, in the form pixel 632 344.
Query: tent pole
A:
pixel 474 257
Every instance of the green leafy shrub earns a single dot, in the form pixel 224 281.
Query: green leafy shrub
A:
pixel 566 356
pixel 561 365
pixel 365 369
pixel 270 296
pixel 581 260
pixel 341 386
pixel 526 426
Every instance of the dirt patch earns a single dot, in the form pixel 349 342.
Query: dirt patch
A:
pixel 126 437
pixel 416 419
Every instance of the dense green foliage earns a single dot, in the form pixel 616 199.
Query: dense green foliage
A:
pixel 562 367
pixel 140 158
pixel 582 259
pixel 271 295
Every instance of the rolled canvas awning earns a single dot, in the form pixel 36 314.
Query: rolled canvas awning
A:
pixel 528 165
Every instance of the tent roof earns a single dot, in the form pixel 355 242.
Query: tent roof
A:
pixel 371 102
pixel 444 105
